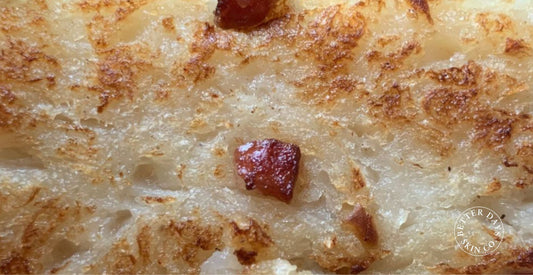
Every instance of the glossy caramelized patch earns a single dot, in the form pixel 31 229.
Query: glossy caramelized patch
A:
pixel 269 165
pixel 242 14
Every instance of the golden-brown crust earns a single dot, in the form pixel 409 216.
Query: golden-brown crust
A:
pixel 164 246
pixel 494 22
pixel 196 69
pixel 467 75
pixel 340 261
pixel 117 73
pixel 7 98
pixel 392 104
pixel 494 129
pixel 205 237
pixel 515 259
pixel 120 9
pixel 252 234
pixel 42 221
pixel 448 106
pixel 15 264
pixel 18 61
pixel 144 243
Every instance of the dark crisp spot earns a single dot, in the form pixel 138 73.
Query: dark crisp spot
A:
pixel 421 6
pixel 357 268
pixel 269 165
pixel 362 225
pixel 241 14
pixel 509 163
pixel 245 257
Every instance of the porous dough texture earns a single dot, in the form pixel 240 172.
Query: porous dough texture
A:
pixel 119 119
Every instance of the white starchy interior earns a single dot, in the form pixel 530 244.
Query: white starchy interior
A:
pixel 149 145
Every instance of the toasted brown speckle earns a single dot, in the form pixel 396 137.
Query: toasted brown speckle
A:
pixel 358 180
pixel 494 187
pixel 152 200
pixel 219 171
pixel 168 23
pixel 494 22
pixel 516 46
pixel 253 233
pixel 205 237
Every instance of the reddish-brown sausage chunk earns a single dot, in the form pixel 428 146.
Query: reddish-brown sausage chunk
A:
pixel 242 14
pixel 269 165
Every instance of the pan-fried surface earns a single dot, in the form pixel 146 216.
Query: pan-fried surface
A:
pixel 119 119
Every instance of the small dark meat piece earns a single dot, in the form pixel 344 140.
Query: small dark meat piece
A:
pixel 361 223
pixel 242 14
pixel 269 165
